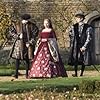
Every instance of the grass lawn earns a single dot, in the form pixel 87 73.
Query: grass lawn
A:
pixel 6 72
pixel 60 84
pixel 46 89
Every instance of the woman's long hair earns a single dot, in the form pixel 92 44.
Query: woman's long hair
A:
pixel 50 23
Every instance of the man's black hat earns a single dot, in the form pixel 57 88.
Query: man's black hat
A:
pixel 80 13
pixel 25 16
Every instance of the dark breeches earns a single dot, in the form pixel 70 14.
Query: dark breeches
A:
pixel 82 69
pixel 17 64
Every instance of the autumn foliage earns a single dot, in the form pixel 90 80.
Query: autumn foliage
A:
pixel 4 23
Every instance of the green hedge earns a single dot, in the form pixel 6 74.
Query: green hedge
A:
pixel 97 86
pixel 53 84
pixel 89 86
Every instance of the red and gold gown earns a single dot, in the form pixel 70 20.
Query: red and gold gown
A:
pixel 47 61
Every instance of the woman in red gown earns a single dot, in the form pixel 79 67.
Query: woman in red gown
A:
pixel 47 61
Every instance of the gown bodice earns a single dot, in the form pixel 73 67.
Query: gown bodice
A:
pixel 47 35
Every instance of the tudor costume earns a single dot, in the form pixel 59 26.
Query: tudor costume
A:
pixel 80 37
pixel 24 34
pixel 47 61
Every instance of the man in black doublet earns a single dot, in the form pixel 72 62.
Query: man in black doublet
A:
pixel 80 40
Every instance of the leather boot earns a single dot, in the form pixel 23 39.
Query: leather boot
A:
pixel 82 70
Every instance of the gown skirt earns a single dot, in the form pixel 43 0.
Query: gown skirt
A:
pixel 43 64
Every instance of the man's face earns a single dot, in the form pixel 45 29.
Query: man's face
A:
pixel 79 19
pixel 24 21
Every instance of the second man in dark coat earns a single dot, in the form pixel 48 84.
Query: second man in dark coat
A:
pixel 80 39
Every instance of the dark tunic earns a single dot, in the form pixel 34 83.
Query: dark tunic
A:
pixel 80 37
pixel 19 49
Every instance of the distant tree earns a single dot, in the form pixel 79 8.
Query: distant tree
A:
pixel 5 21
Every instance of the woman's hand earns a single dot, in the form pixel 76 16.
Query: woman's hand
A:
pixel 27 45
pixel 43 40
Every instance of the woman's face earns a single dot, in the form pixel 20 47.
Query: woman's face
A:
pixel 46 24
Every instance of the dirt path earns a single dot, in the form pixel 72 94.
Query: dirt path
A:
pixel 22 76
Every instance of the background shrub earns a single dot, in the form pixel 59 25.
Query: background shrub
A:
pixel 87 86
pixel 97 86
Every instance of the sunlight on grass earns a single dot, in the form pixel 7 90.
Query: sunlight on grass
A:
pixel 61 83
